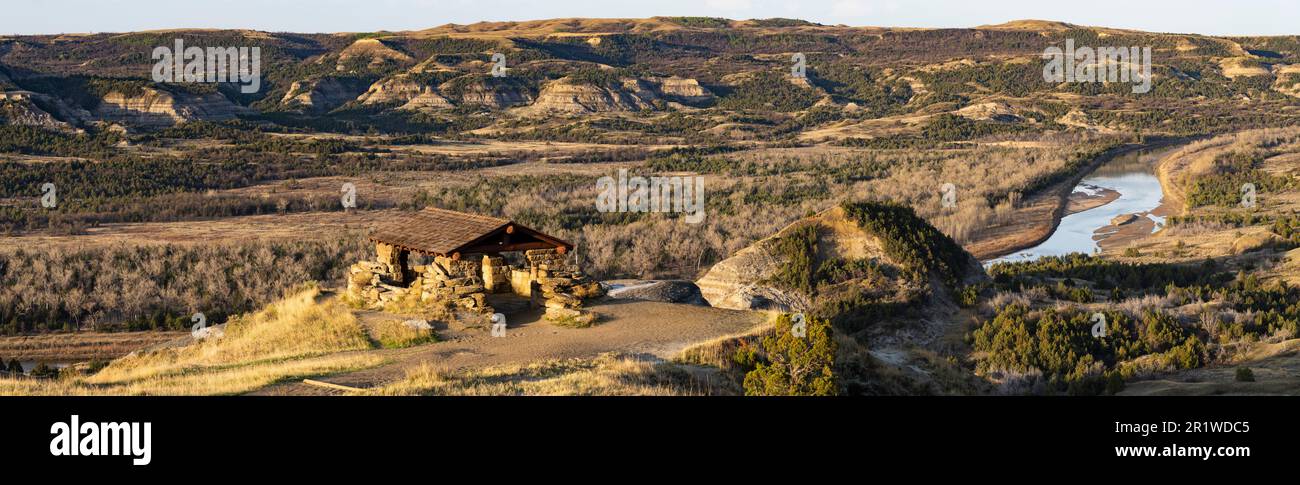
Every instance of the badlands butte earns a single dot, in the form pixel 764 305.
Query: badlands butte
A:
pixel 830 261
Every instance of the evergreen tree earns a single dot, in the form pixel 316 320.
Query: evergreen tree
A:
pixel 795 366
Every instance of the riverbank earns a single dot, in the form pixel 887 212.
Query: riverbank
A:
pixel 1040 215
pixel 1171 204
pixel 1079 201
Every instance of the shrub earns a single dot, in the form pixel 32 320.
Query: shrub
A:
pixel 968 296
pixel 1114 383
pixel 42 370
pixel 797 247
pixel 769 91
pixel 795 366
pixel 910 240
pixel 1244 374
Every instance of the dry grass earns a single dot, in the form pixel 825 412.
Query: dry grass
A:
pixel 287 340
pixel 80 346
pixel 606 375
pixel 720 352
pixel 1274 366
pixel 397 334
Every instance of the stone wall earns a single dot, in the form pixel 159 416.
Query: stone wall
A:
pixel 456 281
pixel 550 279
pixel 364 279
pixel 375 284
pixel 562 285
pixel 521 281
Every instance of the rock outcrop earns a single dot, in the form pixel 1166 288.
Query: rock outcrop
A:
pixel 406 93
pixel 372 53
pixel 495 93
pixel 684 90
pixel 566 96
pixel 667 291
pixel 1255 242
pixel 759 276
pixel 1123 219
pixel 990 111
pixel 744 281
pixel 320 95
pixel 18 108
pixel 1078 118
pixel 158 107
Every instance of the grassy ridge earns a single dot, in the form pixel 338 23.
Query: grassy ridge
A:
pixel 296 337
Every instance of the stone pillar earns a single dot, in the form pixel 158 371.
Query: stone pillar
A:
pixel 387 257
pixel 495 273
pixel 393 261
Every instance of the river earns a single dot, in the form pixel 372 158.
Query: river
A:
pixel 1133 176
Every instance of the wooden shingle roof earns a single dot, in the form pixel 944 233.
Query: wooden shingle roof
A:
pixel 446 232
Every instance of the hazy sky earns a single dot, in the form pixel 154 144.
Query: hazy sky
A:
pixel 1223 17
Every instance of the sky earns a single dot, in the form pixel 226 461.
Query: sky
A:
pixel 1223 17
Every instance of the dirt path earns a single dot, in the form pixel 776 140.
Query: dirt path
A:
pixel 628 326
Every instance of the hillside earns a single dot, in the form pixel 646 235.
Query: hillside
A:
pixel 434 79
pixel 128 205
pixel 886 280
pixel 881 249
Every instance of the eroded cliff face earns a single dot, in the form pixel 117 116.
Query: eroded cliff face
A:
pixel 18 108
pixel 156 107
pixel 745 281
pixel 685 90
pixel 319 95
pixel 492 93
pixel 739 282
pixel 566 96
pixel 405 94
pixel 759 277
pixel 371 53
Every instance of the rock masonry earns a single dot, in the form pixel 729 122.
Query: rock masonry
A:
pixel 551 280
